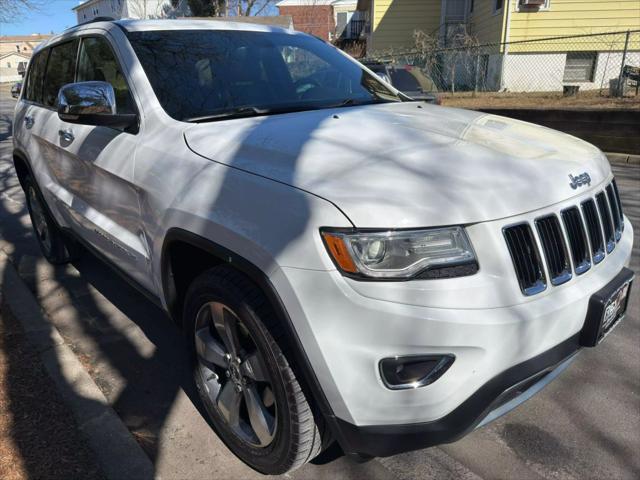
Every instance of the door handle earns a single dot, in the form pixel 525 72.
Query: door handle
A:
pixel 66 135
pixel 28 121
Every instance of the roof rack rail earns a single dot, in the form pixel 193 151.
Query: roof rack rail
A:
pixel 95 19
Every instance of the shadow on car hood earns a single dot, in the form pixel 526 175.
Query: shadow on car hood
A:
pixel 407 164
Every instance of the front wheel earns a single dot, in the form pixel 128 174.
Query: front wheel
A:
pixel 248 388
pixel 55 246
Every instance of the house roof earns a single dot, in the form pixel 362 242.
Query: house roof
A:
pixel 24 38
pixel 4 55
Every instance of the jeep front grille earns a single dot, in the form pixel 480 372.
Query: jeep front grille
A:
pixel 591 231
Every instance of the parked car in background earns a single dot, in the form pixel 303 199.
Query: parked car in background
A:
pixel 15 89
pixel 346 264
pixel 410 80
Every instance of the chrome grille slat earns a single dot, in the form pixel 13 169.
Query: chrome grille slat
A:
pixel 577 240
pixel 617 195
pixel 607 222
pixel 526 259
pixel 615 212
pixel 554 249
pixel 594 227
pixel 580 236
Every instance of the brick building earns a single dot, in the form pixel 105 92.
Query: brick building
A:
pixel 327 19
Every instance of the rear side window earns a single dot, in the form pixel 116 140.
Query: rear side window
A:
pixel 403 80
pixel 60 70
pixel 33 91
pixel 97 62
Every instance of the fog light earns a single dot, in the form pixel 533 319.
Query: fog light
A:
pixel 413 371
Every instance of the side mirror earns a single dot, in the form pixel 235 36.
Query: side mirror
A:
pixel 92 103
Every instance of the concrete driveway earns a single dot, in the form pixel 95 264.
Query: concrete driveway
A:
pixel 584 425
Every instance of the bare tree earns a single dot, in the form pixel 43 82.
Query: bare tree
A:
pixel 208 8
pixel 247 8
pixel 146 9
pixel 11 10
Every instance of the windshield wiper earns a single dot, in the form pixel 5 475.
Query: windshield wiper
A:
pixel 241 112
pixel 249 111
pixel 351 102
pixel 233 113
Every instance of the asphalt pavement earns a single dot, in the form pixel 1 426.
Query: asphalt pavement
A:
pixel 586 424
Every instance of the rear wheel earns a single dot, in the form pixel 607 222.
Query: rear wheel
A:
pixel 248 388
pixel 55 246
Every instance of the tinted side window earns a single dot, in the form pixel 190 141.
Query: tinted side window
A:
pixel 98 63
pixel 60 70
pixel 33 90
pixel 403 80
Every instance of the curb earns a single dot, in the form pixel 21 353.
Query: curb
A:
pixel 118 454
pixel 623 158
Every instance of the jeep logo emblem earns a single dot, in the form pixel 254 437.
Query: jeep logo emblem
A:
pixel 579 180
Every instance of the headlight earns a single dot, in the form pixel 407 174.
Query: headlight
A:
pixel 431 253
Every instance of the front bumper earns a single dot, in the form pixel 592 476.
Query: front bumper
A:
pixel 500 340
pixel 495 398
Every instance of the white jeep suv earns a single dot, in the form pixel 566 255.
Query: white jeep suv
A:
pixel 347 264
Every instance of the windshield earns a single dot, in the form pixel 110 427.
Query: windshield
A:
pixel 209 74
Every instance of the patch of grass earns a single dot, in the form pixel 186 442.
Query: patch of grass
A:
pixel 540 100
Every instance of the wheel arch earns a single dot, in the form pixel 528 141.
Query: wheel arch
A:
pixel 220 255
pixel 185 255
pixel 21 166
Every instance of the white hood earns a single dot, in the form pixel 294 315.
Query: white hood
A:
pixel 407 164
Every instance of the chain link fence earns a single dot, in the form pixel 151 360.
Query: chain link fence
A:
pixel 606 64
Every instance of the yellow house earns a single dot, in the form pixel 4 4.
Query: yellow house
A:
pixel 515 34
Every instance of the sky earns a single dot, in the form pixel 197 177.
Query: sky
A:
pixel 54 15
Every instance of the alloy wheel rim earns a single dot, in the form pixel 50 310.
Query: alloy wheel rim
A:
pixel 39 221
pixel 234 374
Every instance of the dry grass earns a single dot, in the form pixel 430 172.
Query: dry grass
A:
pixel 542 100
pixel 38 434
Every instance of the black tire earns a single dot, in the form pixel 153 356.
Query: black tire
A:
pixel 56 247
pixel 298 432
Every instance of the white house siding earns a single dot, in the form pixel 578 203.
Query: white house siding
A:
pixel 9 76
pixel 145 8
pixel 9 67
pixel 544 72
pixel 118 9
pixel 100 8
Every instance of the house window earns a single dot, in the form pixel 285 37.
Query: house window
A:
pixel 580 66
pixel 8 64
pixel 534 7
pixel 498 5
